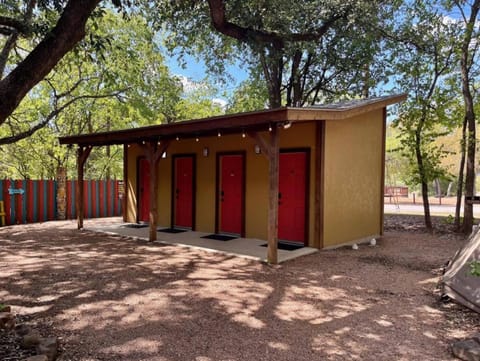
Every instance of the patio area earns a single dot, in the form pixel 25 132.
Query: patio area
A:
pixel 249 248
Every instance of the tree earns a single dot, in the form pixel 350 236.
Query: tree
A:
pixel 468 58
pixel 423 55
pixel 124 85
pixel 251 95
pixel 306 53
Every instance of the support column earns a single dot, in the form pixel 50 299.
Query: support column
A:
pixel 153 153
pixel 82 154
pixel 273 170
pixel 61 195
pixel 272 151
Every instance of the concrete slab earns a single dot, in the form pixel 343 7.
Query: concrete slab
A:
pixel 250 248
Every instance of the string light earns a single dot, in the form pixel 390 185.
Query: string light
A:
pixel 177 138
pixel 219 134
pixel 243 134
pixel 269 127
pixel 196 139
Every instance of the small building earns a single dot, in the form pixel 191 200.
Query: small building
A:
pixel 311 176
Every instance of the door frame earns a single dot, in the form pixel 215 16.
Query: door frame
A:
pixel 307 152
pixel 194 187
pixel 139 159
pixel 219 155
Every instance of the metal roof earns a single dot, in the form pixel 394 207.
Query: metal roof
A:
pixel 234 123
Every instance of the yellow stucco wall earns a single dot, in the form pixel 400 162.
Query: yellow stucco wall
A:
pixel 301 135
pixel 353 178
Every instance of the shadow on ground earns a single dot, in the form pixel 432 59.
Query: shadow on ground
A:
pixel 112 298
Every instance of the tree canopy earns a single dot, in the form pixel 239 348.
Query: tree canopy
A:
pixel 307 53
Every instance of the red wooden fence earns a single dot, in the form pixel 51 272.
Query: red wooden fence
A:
pixel 29 201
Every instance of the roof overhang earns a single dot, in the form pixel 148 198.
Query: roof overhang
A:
pixel 234 123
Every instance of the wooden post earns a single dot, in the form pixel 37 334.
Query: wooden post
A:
pixel 153 153
pixel 82 155
pixel 272 152
pixel 61 195
pixel 273 170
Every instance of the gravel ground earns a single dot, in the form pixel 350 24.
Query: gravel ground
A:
pixel 112 298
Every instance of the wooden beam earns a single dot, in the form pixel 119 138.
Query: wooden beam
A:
pixel 270 149
pixel 153 153
pixel 262 143
pixel 82 155
pixel 233 123
pixel 273 176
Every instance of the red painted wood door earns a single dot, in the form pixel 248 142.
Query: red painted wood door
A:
pixel 231 193
pixel 292 196
pixel 143 190
pixel 184 192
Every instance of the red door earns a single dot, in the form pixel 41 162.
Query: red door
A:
pixel 292 196
pixel 231 193
pixel 184 192
pixel 143 190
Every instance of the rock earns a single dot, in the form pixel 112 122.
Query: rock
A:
pixel 31 339
pixel 468 349
pixel 5 309
pixel 48 346
pixel 7 321
pixel 37 358
pixel 22 329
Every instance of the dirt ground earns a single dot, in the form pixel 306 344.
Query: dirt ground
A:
pixel 113 298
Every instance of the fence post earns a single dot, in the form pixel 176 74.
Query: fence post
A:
pixel 61 194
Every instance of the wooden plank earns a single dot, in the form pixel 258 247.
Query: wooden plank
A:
pixel 273 170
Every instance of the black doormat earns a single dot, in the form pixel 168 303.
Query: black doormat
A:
pixel 219 237
pixel 171 230
pixel 286 246
pixel 136 225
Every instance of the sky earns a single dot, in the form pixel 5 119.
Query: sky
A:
pixel 196 71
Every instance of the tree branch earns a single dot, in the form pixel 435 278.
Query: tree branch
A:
pixel 15 138
pixel 222 25
pixel 69 30
pixel 17 25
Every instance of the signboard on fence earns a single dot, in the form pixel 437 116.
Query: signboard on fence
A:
pixel 13 191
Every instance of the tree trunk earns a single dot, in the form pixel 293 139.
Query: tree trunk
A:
pixel 69 30
pixel 465 66
pixel 423 177
pixel 470 174
pixel 272 65
pixel 458 205
pixel 294 87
